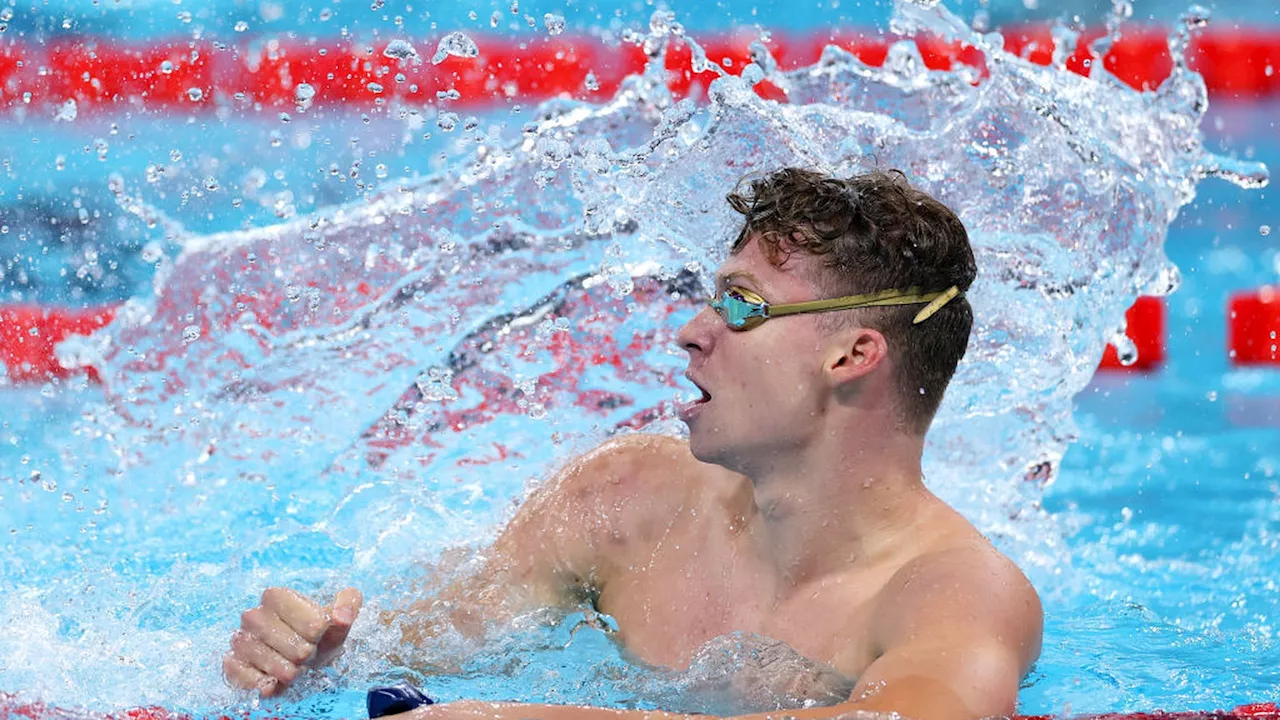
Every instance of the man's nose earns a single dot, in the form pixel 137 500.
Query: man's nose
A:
pixel 698 334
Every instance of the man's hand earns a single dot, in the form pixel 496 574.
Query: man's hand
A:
pixel 285 634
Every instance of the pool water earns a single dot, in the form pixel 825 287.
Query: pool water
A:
pixel 313 401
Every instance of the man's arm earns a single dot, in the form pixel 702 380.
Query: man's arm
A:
pixel 958 630
pixel 557 548
pixel 557 544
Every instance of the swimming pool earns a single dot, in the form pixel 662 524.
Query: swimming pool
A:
pixel 286 425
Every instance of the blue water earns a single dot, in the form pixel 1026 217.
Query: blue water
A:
pixel 1173 494
pixel 135 545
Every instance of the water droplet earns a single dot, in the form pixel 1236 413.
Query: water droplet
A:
pixel 591 82
pixel 195 94
pixel 401 50
pixel 211 183
pixel 152 252
pixel 1166 281
pixel 190 334
pixel 374 87
pixel 66 112
pixel 183 17
pixel 241 26
pixel 554 23
pixel 457 45
pixel 60 162
pixel 175 155
pixel 380 171
pixel 303 95
pixel 1126 350
pixel 450 94
pixel 1264 230
pixel 447 121
pixel 166 67
pixel 437 385
pixel 325 14
pixel 1196 16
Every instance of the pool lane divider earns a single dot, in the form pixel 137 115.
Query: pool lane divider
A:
pixel 1145 327
pixel 1253 327
pixel 186 75
pixel 29 335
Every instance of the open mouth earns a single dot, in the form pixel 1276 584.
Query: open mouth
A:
pixel 703 396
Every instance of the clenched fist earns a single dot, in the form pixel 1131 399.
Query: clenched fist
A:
pixel 284 635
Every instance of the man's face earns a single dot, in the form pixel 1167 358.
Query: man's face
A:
pixel 763 389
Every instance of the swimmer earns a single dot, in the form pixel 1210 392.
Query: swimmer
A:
pixel 796 510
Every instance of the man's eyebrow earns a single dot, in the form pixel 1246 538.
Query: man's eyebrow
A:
pixel 722 280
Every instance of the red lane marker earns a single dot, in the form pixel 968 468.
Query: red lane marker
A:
pixel 1268 710
pixel 1253 327
pixel 29 333
pixel 95 72
pixel 1243 64
pixel 100 74
pixel 1144 324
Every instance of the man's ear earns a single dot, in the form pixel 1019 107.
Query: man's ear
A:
pixel 854 353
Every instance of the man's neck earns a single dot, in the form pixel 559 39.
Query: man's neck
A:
pixel 843 502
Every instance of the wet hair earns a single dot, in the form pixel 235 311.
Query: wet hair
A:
pixel 873 232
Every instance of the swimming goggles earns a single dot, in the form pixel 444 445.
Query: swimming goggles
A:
pixel 742 309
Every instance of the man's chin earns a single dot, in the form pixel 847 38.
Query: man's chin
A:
pixel 708 447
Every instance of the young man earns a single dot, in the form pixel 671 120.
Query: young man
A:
pixel 795 511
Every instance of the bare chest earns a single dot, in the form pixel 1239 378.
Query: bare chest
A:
pixel 701 586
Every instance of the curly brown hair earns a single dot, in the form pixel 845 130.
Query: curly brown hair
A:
pixel 873 232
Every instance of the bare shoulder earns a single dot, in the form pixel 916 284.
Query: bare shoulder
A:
pixel 965 590
pixel 623 489
pixel 627 465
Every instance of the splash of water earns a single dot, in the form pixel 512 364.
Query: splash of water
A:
pixel 363 387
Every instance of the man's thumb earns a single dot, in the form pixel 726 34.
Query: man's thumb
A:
pixel 346 607
pixel 343 612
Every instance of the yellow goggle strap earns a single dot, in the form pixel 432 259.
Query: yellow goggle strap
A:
pixel 909 296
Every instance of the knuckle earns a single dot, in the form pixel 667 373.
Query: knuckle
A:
pixel 231 671
pixel 252 618
pixel 300 652
pixel 315 627
pixel 240 644
pixel 287 673
pixel 272 596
